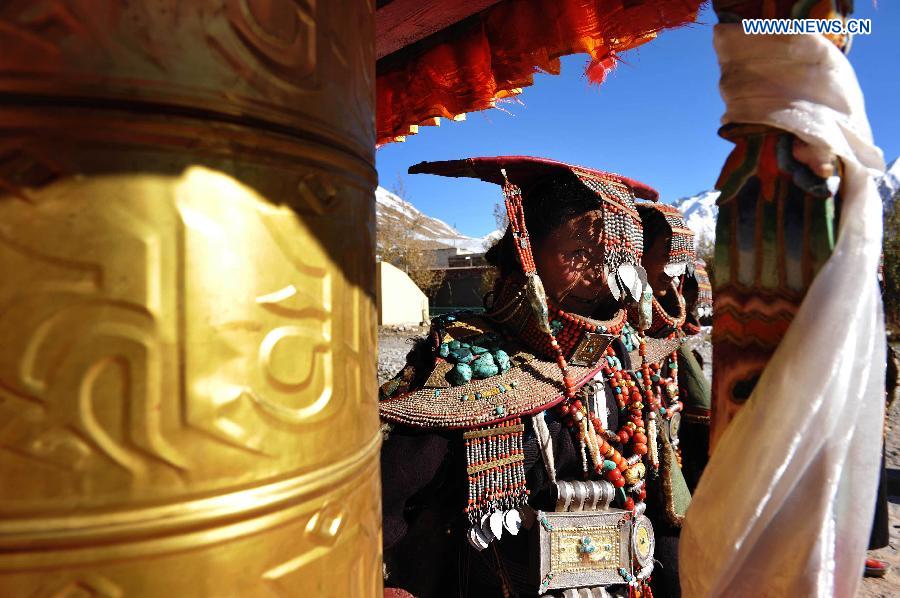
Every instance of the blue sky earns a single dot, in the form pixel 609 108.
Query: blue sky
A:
pixel 654 119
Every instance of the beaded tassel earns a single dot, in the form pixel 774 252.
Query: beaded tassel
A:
pixel 534 288
pixel 645 308
pixel 537 297
pixel 494 458
pixel 516 215
pixel 623 238
pixel 652 438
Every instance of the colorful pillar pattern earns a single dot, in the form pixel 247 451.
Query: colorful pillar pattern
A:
pixel 776 228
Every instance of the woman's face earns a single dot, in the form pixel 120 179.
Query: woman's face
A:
pixel 654 261
pixel 570 263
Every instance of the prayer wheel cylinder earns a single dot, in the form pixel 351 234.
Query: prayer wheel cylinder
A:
pixel 187 351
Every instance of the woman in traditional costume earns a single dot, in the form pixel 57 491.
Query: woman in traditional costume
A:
pixel 539 414
pixel 693 382
pixel 670 260
pixel 697 292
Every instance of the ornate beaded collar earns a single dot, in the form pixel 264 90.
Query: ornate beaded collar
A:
pixel 662 319
pixel 511 381
pixel 479 377
pixel 580 339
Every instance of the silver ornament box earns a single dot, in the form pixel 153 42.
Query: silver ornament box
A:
pixel 588 548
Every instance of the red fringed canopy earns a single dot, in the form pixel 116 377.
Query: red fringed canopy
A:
pixel 493 54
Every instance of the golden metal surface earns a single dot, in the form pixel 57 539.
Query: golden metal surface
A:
pixel 187 370
pixel 568 557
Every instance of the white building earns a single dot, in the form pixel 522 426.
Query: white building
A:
pixel 400 301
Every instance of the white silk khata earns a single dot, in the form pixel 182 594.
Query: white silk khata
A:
pixel 785 505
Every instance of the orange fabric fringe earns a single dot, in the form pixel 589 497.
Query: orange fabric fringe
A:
pixel 496 53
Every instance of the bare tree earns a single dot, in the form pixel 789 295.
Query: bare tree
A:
pixel 488 279
pixel 500 216
pixel 399 187
pixel 891 264
pixel 401 244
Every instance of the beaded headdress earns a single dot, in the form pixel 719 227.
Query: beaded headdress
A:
pixel 681 247
pixel 704 290
pixel 621 223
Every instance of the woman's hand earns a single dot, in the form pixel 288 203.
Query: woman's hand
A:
pixel 819 160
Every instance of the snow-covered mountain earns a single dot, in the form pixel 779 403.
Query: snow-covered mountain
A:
pixel 700 213
pixel 889 184
pixel 389 206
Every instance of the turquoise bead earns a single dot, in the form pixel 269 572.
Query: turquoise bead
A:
pixel 483 359
pixel 454 345
pixel 444 350
pixel 608 465
pixel 481 372
pixel 484 367
pixel 461 354
pixel 502 359
pixel 460 374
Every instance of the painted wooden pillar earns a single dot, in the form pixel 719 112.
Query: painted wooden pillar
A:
pixel 776 228
pixel 187 350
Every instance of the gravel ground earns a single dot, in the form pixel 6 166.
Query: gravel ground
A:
pixel 889 585
pixel 394 343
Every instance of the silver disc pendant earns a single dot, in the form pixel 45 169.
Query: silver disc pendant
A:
pixel 476 539
pixel 512 521
pixel 486 530
pixel 496 523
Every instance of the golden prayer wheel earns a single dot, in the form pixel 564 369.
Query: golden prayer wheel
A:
pixel 187 350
